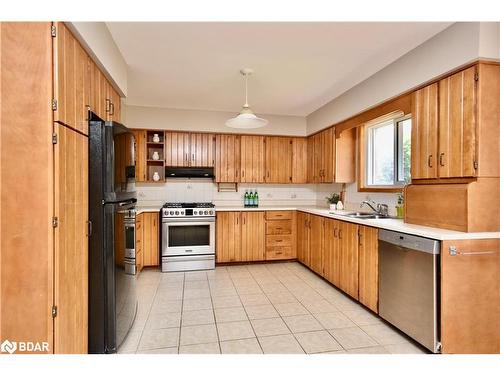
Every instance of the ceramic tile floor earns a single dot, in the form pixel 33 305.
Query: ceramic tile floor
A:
pixel 263 308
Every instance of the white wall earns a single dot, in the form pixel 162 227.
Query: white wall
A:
pixel 97 40
pixel 213 121
pixel 455 46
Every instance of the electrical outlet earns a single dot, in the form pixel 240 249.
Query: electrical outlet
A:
pixel 294 196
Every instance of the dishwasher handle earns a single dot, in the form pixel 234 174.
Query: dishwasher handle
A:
pixel 408 241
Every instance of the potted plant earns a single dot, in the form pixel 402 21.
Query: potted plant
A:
pixel 332 200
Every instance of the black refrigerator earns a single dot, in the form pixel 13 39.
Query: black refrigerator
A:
pixel 112 295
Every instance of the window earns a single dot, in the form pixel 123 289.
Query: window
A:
pixel 388 152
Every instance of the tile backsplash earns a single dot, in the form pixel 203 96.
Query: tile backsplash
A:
pixel 203 190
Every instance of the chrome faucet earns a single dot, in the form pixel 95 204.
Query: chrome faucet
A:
pixel 381 209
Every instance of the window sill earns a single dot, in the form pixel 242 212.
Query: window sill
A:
pixel 376 189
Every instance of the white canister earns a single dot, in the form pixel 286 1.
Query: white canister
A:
pixel 156 138
pixel 333 207
pixel 156 177
pixel 156 155
pixel 340 206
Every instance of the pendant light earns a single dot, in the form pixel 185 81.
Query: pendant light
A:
pixel 246 119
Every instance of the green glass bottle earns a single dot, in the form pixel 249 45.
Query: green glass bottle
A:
pixel 256 198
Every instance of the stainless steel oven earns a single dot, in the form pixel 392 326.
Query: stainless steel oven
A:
pixel 188 237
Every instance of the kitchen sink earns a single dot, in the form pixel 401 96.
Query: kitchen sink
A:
pixel 367 215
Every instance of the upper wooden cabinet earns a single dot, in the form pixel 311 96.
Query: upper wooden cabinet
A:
pixel 331 157
pixel 140 155
pixel 202 150
pixel 278 160
pixel 424 133
pixel 299 160
pixel 457 124
pixel 72 97
pixel 227 158
pixel 177 149
pixel 189 149
pixel 252 158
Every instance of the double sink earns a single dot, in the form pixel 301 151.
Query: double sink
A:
pixel 366 215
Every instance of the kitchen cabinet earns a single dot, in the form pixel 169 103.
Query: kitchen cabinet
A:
pixel 348 242
pixel 368 267
pixel 332 252
pixel 457 124
pixel 114 113
pixel 140 155
pixel 228 239
pixel 149 238
pixel 424 133
pixel 71 80
pixel 189 149
pixel 345 156
pixel 470 297
pixel 139 243
pixel 70 240
pixel 299 160
pixel 317 224
pixel 227 158
pixel 253 246
pixel 97 94
pixel 303 225
pixel 252 159
pixel 278 160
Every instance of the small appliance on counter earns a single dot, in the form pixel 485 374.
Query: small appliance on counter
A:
pixel 187 237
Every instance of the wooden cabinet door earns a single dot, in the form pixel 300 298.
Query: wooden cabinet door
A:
pixel 457 124
pixel 71 80
pixel 228 240
pixel 299 160
pixel 278 160
pixel 71 241
pixel 424 133
pixel 368 267
pixel 151 255
pixel 327 157
pixel 177 152
pixel 316 243
pixel 317 163
pixel 348 242
pixel 253 239
pixel 97 96
pixel 310 160
pixel 345 156
pixel 332 252
pixel 252 158
pixel 303 238
pixel 140 155
pixel 470 296
pixel 202 146
pixel 227 158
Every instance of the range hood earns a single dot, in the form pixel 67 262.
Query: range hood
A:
pixel 181 172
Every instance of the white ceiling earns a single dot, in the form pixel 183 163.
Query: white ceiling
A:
pixel 298 66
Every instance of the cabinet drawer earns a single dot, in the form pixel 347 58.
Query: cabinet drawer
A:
pixel 279 215
pixel 278 240
pixel 278 252
pixel 279 227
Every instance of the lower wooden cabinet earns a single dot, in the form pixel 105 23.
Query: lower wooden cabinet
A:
pixel 147 240
pixel 343 253
pixel 368 267
pixel 253 241
pixel 303 224
pixel 250 236
pixel 316 243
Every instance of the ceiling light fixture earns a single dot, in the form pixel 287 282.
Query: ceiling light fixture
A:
pixel 246 119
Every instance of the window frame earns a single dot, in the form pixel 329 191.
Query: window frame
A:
pixel 366 149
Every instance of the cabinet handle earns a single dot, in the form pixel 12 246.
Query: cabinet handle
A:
pixel 192 157
pixel 279 240
pixel 244 221
pixel 111 108
pixel 340 234
pixel 429 161
pixel 441 157
pixel 335 232
pixel 279 252
pixel 279 228
pixel 243 173
pixel 108 102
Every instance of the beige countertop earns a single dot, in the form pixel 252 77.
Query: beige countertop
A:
pixel 389 224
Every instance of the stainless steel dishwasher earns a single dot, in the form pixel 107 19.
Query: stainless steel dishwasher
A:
pixel 409 285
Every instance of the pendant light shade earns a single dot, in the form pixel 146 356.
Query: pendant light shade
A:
pixel 246 119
